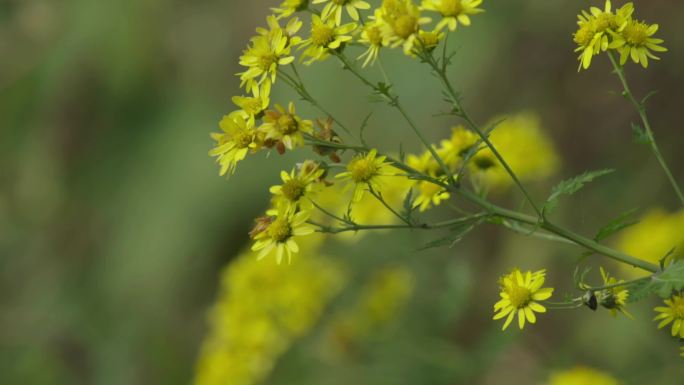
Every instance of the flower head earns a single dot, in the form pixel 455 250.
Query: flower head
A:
pixel 614 298
pixel 453 11
pixel 429 194
pixel 334 9
pixel 581 376
pixel 635 41
pixel 279 233
pixel 364 171
pixel 325 36
pixel 268 50
pixel 297 186
pixel 401 21
pixel 372 37
pixel 426 41
pixel 289 7
pixel 253 106
pixel 285 127
pixel 232 145
pixel 672 313
pixel 457 146
pixel 520 294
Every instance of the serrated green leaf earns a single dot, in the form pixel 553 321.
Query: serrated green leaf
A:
pixel 616 225
pixel 662 284
pixel 571 186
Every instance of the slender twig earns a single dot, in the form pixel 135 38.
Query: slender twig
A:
pixel 641 110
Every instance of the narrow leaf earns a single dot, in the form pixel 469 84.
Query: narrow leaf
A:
pixel 616 225
pixel 571 186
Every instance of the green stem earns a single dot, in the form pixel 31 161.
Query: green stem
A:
pixel 423 226
pixel 641 109
pixel 393 101
pixel 619 284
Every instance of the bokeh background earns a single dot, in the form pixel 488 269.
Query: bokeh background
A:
pixel 114 223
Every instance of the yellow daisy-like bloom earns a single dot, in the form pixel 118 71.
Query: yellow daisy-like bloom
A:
pixel 364 171
pixel 595 29
pixel 426 41
pixel 673 314
pixel 635 41
pixel 429 194
pixel 457 146
pixel 262 58
pixel 401 21
pixel 372 37
pixel 582 376
pixel 232 145
pixel 614 298
pixel 253 106
pixel 297 187
pixel 453 11
pixel 520 294
pixel 278 235
pixel 334 9
pixel 325 36
pixel 286 127
pixel 290 7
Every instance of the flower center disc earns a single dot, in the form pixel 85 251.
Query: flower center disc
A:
pixel 451 8
pixel 293 189
pixel 362 170
pixel 321 35
pixel 519 296
pixel 280 230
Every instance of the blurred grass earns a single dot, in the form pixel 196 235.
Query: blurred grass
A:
pixel 114 222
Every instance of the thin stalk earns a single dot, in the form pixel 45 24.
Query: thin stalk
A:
pixel 641 110
pixel 423 226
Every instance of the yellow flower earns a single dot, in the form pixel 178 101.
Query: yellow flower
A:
pixel 582 376
pixel 426 41
pixel 524 146
pixel 401 21
pixel 429 194
pixel 297 187
pixel 453 11
pixel 325 36
pixel 364 171
pixel 653 237
pixel 673 314
pixel 232 145
pixel 596 28
pixel 635 42
pixel 614 298
pixel 284 126
pixel 278 235
pixel 265 53
pixel 457 146
pixel 263 309
pixel 520 294
pixel 372 37
pixel 253 106
pixel 290 7
pixel 334 9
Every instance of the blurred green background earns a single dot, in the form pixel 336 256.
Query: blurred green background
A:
pixel 114 223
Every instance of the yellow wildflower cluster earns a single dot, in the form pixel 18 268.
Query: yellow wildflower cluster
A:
pixel 613 297
pixel 521 294
pixel 600 30
pixel 582 376
pixel 261 310
pixel 379 302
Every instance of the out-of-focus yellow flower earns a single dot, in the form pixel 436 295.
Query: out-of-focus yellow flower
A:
pixel 429 194
pixel 426 41
pixel 453 11
pixel 289 7
pixel 401 20
pixel 379 303
pixel 334 9
pixel 521 294
pixel 261 310
pixel 232 145
pixel 582 376
pixel 656 234
pixel 614 298
pixel 524 146
pixel 364 172
pixel 672 313
pixel 454 149
pixel 325 36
